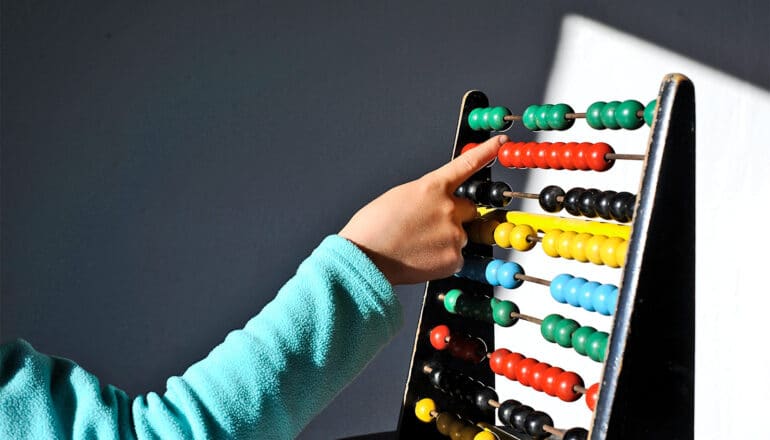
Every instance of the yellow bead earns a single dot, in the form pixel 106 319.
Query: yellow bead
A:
pixel 565 241
pixel 608 251
pixel 593 249
pixel 578 247
pixel 519 236
pixel 503 234
pixel 485 435
pixel 423 409
pixel 487 231
pixel 550 241
pixel 620 253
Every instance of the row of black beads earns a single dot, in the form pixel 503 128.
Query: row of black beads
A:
pixel 485 193
pixel 609 205
pixel 461 386
pixel 526 419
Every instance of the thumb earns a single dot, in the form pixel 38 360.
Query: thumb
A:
pixel 465 165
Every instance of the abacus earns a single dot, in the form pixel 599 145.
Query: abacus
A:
pixel 642 344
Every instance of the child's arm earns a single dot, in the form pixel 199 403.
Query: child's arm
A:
pixel 270 378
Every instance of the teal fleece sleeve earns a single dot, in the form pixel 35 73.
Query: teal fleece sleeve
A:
pixel 265 381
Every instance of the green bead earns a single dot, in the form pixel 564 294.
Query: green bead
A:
pixel 474 119
pixel 580 339
pixel 626 116
pixel 594 115
pixel 450 300
pixel 496 117
pixel 649 112
pixel 486 120
pixel 608 115
pixel 541 117
pixel 548 326
pixel 597 346
pixel 502 313
pixel 562 334
pixel 528 117
pixel 557 119
pixel 493 301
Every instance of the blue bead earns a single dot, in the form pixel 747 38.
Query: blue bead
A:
pixel 473 269
pixel 506 275
pixel 612 301
pixel 602 296
pixel 586 295
pixel 572 291
pixel 557 286
pixel 491 272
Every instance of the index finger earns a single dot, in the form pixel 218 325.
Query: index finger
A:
pixel 465 165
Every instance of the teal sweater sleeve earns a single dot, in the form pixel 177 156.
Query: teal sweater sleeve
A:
pixel 264 381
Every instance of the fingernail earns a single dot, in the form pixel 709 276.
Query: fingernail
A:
pixel 502 139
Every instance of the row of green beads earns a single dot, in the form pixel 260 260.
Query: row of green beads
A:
pixel 566 332
pixel 547 117
pixel 485 309
pixel 488 118
pixel 616 115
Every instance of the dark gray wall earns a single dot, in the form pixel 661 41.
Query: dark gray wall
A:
pixel 166 165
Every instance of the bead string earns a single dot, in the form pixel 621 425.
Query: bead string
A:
pixel 436 337
pixel 554 328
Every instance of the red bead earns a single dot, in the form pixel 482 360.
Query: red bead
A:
pixel 438 337
pixel 565 386
pixel 528 158
pixel 549 380
pixel 468 146
pixel 474 350
pixel 504 154
pixel 592 396
pixel 497 360
pixel 537 377
pixel 581 155
pixel 566 155
pixel 541 155
pixel 511 363
pixel 524 370
pixel 553 155
pixel 459 345
pixel 595 157
pixel 517 155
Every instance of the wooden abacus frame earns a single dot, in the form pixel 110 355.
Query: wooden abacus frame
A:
pixel 647 386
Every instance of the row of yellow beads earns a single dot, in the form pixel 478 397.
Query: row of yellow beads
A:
pixel 580 245
pixel 425 410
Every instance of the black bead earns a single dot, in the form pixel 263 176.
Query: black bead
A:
pixel 603 203
pixel 519 417
pixel 549 198
pixel 587 204
pixel 505 412
pixel 630 205
pixel 575 434
pixel 496 197
pixel 483 396
pixel 572 200
pixel 618 206
pixel 436 376
pixel 473 190
pixel 462 190
pixel 478 191
pixel 535 422
pixel 465 388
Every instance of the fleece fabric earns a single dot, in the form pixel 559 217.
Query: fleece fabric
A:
pixel 264 381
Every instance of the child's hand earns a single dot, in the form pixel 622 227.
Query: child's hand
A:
pixel 414 232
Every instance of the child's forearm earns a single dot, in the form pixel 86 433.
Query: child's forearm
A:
pixel 266 380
